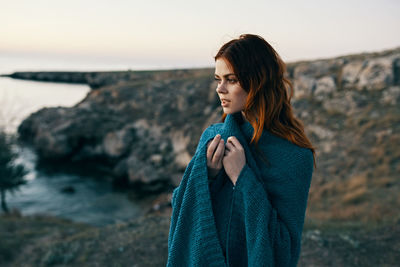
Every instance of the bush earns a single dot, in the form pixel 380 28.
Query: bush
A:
pixel 11 175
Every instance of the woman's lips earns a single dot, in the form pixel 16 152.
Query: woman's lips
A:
pixel 224 102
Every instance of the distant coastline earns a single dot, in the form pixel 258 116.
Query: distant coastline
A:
pixel 94 79
pixel 53 76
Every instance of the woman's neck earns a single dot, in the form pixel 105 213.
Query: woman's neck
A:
pixel 244 117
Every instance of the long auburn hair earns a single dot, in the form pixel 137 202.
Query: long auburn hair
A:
pixel 260 72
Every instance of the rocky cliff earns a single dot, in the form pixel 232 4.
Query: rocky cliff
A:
pixel 142 128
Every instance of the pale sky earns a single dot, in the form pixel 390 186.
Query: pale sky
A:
pixel 178 33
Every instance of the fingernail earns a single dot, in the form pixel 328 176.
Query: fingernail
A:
pixel 218 135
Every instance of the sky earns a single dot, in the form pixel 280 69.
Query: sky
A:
pixel 180 34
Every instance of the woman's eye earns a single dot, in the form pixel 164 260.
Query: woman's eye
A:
pixel 228 80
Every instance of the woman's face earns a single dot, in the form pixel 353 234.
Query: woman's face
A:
pixel 232 95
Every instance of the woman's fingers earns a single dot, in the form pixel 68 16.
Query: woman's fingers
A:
pixel 232 144
pixel 229 145
pixel 219 154
pixel 234 141
pixel 217 149
pixel 212 146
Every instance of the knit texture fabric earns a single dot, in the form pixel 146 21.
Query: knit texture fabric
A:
pixel 257 222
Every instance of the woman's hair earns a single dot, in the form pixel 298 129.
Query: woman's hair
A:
pixel 260 72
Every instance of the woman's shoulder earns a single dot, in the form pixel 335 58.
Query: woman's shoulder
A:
pixel 289 161
pixel 217 125
pixel 282 150
pixel 212 128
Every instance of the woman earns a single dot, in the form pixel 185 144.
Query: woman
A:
pixel 242 202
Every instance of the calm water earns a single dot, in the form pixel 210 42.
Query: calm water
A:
pixel 93 201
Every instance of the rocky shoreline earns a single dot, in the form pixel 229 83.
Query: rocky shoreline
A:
pixel 139 131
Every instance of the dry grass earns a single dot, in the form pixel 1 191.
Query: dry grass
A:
pixel 140 242
pixel 383 182
pixel 355 196
pixel 363 197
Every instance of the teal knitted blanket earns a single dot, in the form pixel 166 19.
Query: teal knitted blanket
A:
pixel 267 209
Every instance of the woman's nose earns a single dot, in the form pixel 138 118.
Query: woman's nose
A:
pixel 221 88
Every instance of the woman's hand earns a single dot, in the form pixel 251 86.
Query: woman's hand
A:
pixel 234 158
pixel 215 154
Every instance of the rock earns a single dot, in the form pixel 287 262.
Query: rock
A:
pixel 391 96
pixel 179 146
pixel 345 103
pixel 371 74
pixel 314 235
pixel 354 243
pixel 321 132
pixel 140 171
pixel 324 87
pixel 118 143
pixel 377 74
pixel 316 68
pixel 350 73
pixel 303 86
pixel 68 189
pixel 156 160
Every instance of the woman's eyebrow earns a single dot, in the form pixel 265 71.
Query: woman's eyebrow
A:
pixel 226 75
